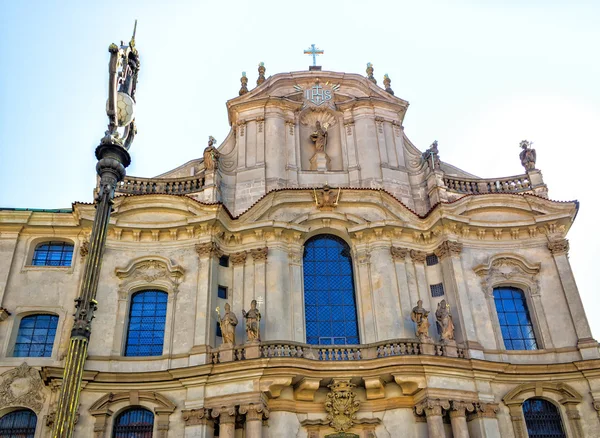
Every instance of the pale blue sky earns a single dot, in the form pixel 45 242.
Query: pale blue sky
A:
pixel 479 76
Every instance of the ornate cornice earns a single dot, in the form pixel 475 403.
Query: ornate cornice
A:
pixel 238 258
pixel 194 417
pixel 259 254
pixel 398 254
pixel 558 247
pixel 418 256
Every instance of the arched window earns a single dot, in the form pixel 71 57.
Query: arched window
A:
pixel 36 336
pixel 515 323
pixel 134 423
pixel 329 302
pixel 146 332
pixel 19 424
pixel 53 254
pixel 542 419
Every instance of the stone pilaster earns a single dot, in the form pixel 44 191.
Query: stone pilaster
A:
pixel 198 423
pixel 518 420
pixel 365 295
pixel 574 420
pixel 482 422
pixel 208 256
pixel 297 293
pixel 586 343
pixel 458 418
pixel 433 410
pixel 386 299
pixel 238 260
pixel 406 304
pixel 418 260
pixel 226 416
pixel 255 414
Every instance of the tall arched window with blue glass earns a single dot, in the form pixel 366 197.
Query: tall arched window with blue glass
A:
pixel 146 331
pixel 515 322
pixel 329 299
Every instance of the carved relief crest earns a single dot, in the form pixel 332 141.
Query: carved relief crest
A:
pixel 503 268
pixel 150 270
pixel 22 386
pixel 341 405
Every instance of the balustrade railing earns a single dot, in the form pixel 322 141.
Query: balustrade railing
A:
pixel 513 184
pixel 280 349
pixel 132 185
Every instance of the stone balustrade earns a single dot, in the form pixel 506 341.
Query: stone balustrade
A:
pixel 132 185
pixel 513 184
pixel 288 349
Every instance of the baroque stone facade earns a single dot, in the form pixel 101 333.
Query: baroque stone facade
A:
pixel 235 232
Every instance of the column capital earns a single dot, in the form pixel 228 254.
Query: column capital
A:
pixel 193 417
pixel 398 254
pixel 238 258
pixel 558 247
pixel 259 254
pixel 225 414
pixel 460 408
pixel 418 256
pixel 254 412
pixel 448 248
pixel 489 410
pixel 208 249
pixel 432 407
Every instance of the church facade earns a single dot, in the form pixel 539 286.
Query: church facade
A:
pixel 315 275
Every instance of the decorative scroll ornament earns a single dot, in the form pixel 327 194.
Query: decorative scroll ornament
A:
pixel 341 405
pixel 22 386
pixel 150 270
pixel 508 268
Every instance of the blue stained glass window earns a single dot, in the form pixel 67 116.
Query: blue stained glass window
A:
pixel 134 423
pixel 542 419
pixel 147 314
pixel 53 254
pixel 36 336
pixel 515 323
pixel 330 306
pixel 19 424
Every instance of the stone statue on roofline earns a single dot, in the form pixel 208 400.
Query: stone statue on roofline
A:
pixel 527 155
pixel 252 322
pixel 211 155
pixel 444 321
pixel 419 317
pixel 432 157
pixel 227 324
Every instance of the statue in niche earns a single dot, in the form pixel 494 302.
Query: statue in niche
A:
pixel 320 160
pixel 227 324
pixel 211 155
pixel 444 320
pixel 319 136
pixel 252 322
pixel 419 317
pixel 527 155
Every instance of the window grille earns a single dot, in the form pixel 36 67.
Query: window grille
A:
pixel 147 315
pixel 222 292
pixel 224 261
pixel 35 337
pixel 330 307
pixel 134 423
pixel 542 419
pixel 431 260
pixel 515 323
pixel 53 254
pixel 437 290
pixel 19 424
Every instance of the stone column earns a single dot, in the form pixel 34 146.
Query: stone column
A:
pixel 364 296
pixel 483 422
pixel 518 420
pixel 433 410
pixel 255 413
pixel 297 294
pixel 585 341
pixel 406 305
pixel 198 423
pixel 226 417
pixel 574 419
pixel 238 260
pixel 454 281
pixel 458 418
pixel 208 254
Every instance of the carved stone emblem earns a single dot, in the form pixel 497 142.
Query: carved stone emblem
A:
pixel 22 386
pixel 341 405
pixel 318 94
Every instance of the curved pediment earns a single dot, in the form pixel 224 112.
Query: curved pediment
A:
pixel 289 90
